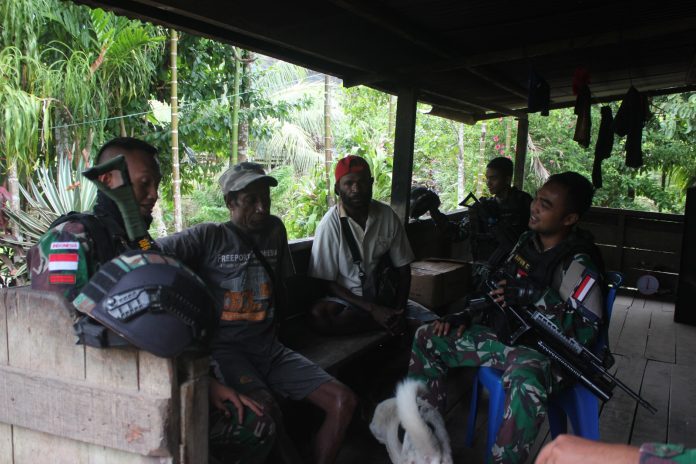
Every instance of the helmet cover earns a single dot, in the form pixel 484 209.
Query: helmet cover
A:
pixel 152 300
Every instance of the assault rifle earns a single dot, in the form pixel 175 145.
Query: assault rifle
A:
pixel 533 328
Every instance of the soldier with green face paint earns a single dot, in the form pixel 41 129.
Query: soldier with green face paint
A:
pixel 563 268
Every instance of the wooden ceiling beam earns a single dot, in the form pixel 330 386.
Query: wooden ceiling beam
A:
pixel 691 72
pixel 163 13
pixel 467 101
pixel 614 37
pixel 403 30
pixel 410 33
pixel 599 100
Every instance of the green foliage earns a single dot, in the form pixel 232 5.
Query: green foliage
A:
pixel 47 198
pixel 205 204
pixel 73 77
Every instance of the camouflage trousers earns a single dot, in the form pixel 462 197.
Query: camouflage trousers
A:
pixel 247 443
pixel 527 379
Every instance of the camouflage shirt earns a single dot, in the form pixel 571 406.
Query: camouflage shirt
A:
pixel 658 453
pixel 574 299
pixel 64 259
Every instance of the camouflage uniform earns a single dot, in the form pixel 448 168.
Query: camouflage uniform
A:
pixel 657 453
pixel 64 259
pixel 528 376
pixel 247 443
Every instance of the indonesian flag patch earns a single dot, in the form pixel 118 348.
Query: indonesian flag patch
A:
pixel 57 279
pixel 583 289
pixel 62 262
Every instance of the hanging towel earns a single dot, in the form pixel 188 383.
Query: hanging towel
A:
pixel 605 142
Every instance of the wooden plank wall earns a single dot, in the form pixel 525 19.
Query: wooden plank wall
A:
pixel 64 403
pixel 638 243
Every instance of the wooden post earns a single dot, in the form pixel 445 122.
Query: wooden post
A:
pixel 521 151
pixel 403 151
pixel 684 310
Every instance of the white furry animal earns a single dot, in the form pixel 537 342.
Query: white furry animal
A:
pixel 425 438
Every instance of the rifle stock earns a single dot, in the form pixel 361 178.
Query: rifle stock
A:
pixel 124 198
pixel 574 358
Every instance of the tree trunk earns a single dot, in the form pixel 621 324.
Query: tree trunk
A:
pixel 461 173
pixel 391 120
pixel 87 150
pixel 121 119
pixel 481 161
pixel 13 189
pixel 174 100
pixel 508 135
pixel 13 185
pixel 328 158
pixel 158 220
pixel 243 139
pixel 234 135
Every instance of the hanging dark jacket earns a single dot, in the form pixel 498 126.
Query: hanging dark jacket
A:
pixel 629 122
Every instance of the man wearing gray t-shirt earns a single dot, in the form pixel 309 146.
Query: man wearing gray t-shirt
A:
pixel 245 262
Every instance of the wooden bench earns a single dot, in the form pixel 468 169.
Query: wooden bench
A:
pixel 67 403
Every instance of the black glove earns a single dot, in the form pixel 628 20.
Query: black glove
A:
pixel 457 319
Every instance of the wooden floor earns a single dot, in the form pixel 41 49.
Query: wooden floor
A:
pixel 655 357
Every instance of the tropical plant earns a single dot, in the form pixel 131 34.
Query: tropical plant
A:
pixel 47 198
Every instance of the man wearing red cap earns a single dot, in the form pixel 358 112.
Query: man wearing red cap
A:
pixel 352 242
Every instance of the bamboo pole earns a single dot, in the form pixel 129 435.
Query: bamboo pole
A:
pixel 328 158
pixel 174 99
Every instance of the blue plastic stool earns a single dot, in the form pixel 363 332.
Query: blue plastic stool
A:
pixel 576 403
pixel 489 378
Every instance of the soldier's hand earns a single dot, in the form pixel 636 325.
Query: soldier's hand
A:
pixel 219 394
pixel 459 320
pixel 569 449
pixel 498 293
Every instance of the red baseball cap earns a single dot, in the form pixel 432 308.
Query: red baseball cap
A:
pixel 351 163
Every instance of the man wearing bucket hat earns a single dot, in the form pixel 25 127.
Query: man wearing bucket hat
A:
pixel 245 262
pixel 351 245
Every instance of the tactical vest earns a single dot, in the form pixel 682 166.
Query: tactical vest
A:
pixel 539 266
pixel 109 240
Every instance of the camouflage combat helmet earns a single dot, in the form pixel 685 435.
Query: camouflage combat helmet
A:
pixel 151 300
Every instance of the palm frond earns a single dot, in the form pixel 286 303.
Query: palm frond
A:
pixel 292 144
pixel 47 198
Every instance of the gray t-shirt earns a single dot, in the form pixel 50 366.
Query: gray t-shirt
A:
pixel 242 288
